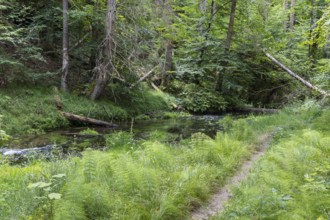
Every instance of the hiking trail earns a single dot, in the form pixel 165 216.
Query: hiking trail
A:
pixel 218 200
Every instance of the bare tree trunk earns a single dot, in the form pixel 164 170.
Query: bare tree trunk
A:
pixel 305 82
pixel 292 14
pixel 312 47
pixel 96 33
pixel 104 63
pixel 65 59
pixel 168 63
pixel 213 9
pixel 230 31
pixel 86 120
pixel 167 12
pixel 202 8
pixel 285 23
pixel 265 12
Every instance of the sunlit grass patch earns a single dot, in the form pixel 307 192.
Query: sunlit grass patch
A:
pixel 290 182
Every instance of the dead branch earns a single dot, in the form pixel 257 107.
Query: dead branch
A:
pixel 142 78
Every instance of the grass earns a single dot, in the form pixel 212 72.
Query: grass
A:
pixel 131 180
pixel 150 181
pixel 32 110
pixel 292 181
pixel 153 180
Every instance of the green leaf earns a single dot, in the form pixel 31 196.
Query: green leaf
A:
pixel 61 175
pixel 54 196
pixel 38 185
pixel 43 185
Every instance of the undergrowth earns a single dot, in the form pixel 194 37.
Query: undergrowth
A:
pixel 292 181
pixel 33 110
pixel 131 180
pixel 152 180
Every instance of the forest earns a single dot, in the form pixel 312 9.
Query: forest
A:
pixel 164 109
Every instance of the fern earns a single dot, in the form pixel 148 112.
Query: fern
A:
pixel 89 169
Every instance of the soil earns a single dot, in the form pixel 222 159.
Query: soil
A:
pixel 218 200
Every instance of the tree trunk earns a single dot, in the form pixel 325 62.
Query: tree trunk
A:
pixel 167 66
pixel 86 120
pixel 230 31
pixel 65 59
pixel 305 82
pixel 292 14
pixel 96 33
pixel 208 29
pixel 213 9
pixel 104 63
pixel 265 12
pixel 202 8
pixel 168 63
pixel 312 48
pixel 285 23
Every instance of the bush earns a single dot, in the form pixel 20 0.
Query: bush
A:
pixel 199 100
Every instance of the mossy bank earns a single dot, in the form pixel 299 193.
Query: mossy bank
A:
pixel 33 110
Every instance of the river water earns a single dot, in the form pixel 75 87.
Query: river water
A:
pixel 177 129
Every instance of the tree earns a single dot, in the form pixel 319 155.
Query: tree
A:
pixel 285 22
pixel 65 59
pixel 230 31
pixel 165 13
pixel 104 63
pixel 292 14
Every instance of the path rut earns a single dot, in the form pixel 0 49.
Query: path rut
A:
pixel 217 202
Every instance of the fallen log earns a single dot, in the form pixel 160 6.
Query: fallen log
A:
pixel 86 120
pixel 296 76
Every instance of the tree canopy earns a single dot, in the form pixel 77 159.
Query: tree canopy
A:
pixel 207 53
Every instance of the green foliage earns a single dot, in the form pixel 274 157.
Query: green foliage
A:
pixel 156 181
pixel 151 180
pixel 291 180
pixel 320 123
pixel 3 136
pixel 120 140
pixel 142 100
pixel 198 99
pixel 89 131
pixel 20 54
pixel 27 110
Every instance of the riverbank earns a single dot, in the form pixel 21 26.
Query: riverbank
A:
pixel 34 110
pixel 146 179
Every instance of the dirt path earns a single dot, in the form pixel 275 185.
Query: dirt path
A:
pixel 218 200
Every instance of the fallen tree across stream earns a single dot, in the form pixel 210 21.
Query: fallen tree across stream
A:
pixel 86 120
